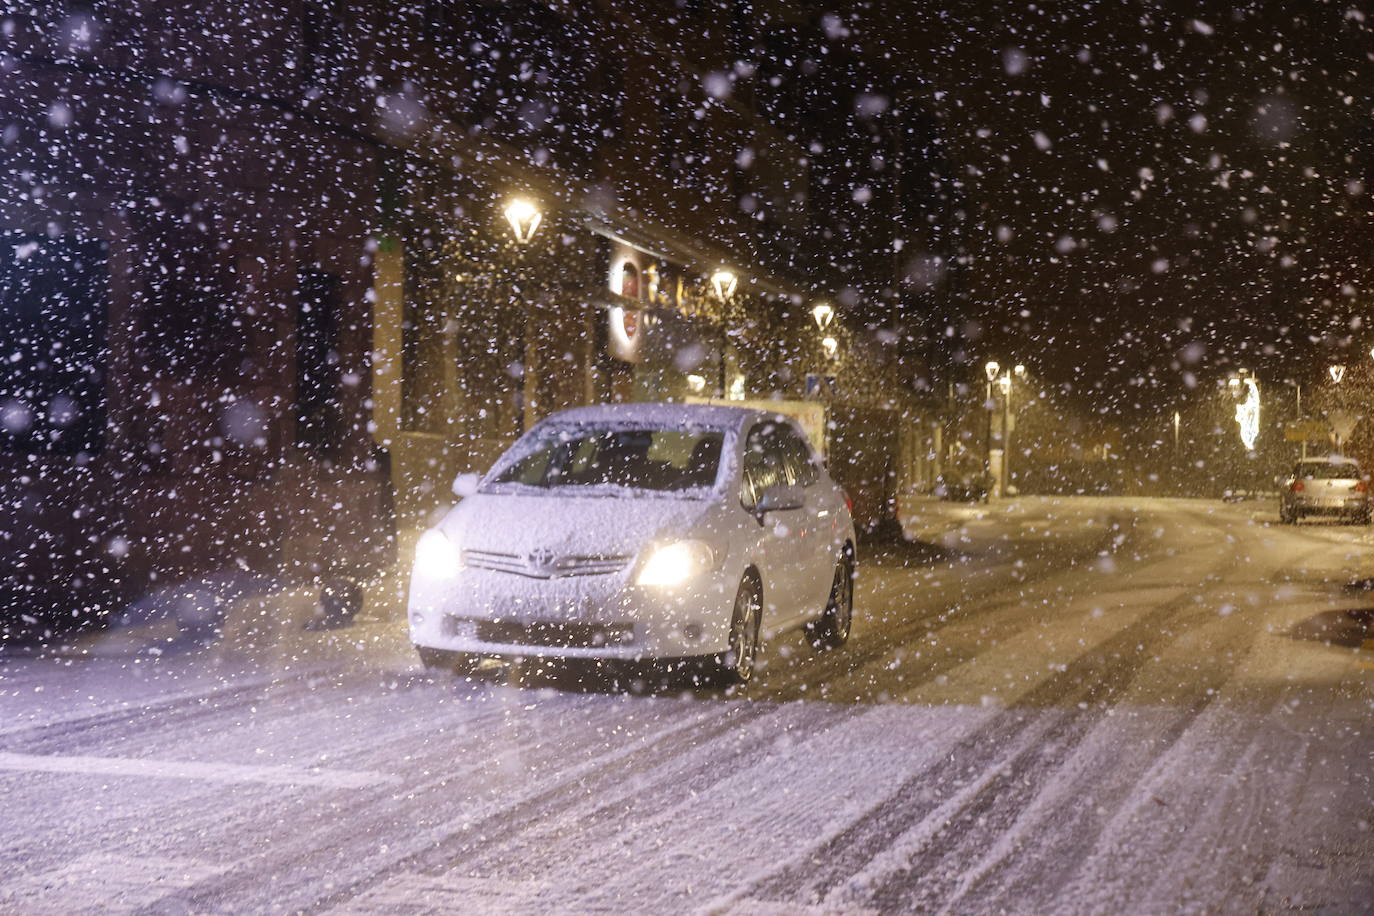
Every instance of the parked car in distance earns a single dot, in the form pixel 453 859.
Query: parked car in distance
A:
pixel 1331 486
pixel 640 531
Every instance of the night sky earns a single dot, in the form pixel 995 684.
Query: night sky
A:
pixel 1152 197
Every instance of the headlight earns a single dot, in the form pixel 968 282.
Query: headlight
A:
pixel 676 563
pixel 436 557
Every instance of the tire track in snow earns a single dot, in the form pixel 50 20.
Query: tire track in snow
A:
pixel 1014 738
pixel 158 714
pixel 1104 674
pixel 973 600
pixel 992 841
pixel 1076 829
pixel 987 829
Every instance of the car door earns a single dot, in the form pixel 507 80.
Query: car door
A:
pixel 815 553
pixel 778 549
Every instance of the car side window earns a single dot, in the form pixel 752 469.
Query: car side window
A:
pixel 765 463
pixel 801 469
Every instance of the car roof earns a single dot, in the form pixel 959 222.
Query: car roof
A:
pixel 662 414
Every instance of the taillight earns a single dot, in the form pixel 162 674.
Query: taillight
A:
pixel 849 504
pixel 1360 486
pixel 1297 486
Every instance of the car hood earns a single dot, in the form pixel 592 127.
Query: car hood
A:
pixel 567 525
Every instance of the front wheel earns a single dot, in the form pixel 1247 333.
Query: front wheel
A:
pixel 832 630
pixel 736 666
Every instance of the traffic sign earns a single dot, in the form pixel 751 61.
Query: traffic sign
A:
pixel 1307 431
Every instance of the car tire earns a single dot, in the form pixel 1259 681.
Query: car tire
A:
pixel 1286 517
pixel 832 630
pixel 736 665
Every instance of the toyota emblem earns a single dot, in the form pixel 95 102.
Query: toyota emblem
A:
pixel 540 560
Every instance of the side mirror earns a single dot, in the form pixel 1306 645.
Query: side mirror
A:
pixel 780 498
pixel 465 485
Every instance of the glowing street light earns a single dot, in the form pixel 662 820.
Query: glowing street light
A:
pixel 724 283
pixel 1337 373
pixel 524 218
pixel 1020 370
pixel 824 313
pixel 991 369
pixel 830 345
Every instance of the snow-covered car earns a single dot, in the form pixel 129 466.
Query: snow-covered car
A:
pixel 639 531
pixel 1332 486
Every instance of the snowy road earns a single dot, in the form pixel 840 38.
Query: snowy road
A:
pixel 1080 706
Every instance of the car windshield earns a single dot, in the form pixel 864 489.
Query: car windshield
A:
pixel 1328 470
pixel 638 458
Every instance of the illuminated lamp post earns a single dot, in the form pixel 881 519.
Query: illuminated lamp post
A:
pixel 1008 382
pixel 991 369
pixel 824 314
pixel 723 283
pixel 524 218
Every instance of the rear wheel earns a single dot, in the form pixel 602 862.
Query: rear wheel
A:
pixel 832 630
pixel 736 666
pixel 1286 516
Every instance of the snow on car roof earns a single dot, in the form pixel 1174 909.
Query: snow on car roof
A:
pixel 661 414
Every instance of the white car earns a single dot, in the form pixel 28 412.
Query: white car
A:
pixel 639 531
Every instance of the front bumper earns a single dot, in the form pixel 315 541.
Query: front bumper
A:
pixel 487 612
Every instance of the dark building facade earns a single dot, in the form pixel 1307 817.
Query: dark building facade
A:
pixel 273 270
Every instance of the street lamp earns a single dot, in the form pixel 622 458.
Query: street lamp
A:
pixel 991 369
pixel 824 313
pixel 524 218
pixel 830 345
pixel 724 283
pixel 1337 373
pixel 1006 382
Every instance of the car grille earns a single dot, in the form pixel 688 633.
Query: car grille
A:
pixel 550 567
pixel 543 633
